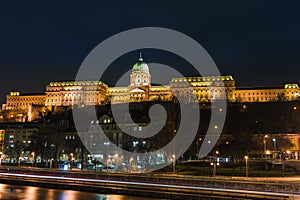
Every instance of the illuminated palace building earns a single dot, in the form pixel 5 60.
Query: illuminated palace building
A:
pixel 210 88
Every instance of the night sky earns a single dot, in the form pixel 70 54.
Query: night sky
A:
pixel 258 42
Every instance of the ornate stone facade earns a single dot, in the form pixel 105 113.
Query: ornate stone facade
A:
pixel 205 89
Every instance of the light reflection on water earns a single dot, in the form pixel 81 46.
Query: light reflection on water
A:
pixel 36 193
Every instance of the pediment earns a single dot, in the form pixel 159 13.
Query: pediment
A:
pixel 137 90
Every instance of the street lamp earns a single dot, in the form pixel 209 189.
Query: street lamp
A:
pixel 106 144
pixel 174 163
pixel 265 143
pixel 130 163
pixel 274 140
pixel 247 168
pixel 214 164
pixel 71 160
pixel 107 165
pixel 198 149
pixel 51 163
pixel 174 150
pixel 33 158
pixel 208 142
pixel 0 158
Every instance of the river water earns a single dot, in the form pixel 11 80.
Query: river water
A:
pixel 8 192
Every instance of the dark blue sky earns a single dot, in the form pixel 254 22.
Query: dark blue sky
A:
pixel 40 41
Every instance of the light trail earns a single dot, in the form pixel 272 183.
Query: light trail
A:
pixel 157 185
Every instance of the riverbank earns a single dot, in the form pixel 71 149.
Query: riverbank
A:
pixel 169 186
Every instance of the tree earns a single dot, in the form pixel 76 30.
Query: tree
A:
pixel 237 147
pixel 15 151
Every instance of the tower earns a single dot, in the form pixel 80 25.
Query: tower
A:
pixel 140 81
pixel 140 75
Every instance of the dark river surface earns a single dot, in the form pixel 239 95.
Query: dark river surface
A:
pixel 9 192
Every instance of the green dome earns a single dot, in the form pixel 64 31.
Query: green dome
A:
pixel 140 66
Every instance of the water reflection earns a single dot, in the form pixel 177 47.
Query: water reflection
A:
pixel 36 193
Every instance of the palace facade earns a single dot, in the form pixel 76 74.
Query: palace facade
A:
pixel 206 89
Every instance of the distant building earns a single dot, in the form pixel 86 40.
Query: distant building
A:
pixel 21 133
pixel 16 139
pixel 290 92
pixel 18 101
pixel 205 89
pixel 69 93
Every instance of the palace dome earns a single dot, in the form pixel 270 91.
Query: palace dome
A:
pixel 140 66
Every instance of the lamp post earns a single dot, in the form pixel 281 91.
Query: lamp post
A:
pixel 174 133
pixel 198 149
pixel 247 167
pixel 130 163
pixel 208 142
pixel 33 158
pixel 107 165
pixel 274 141
pixel 0 158
pixel 214 164
pixel 71 160
pixel 174 163
pixel 117 161
pixel 51 163
pixel 265 144
pixel 106 144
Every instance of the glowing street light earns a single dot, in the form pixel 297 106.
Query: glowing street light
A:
pixel 274 140
pixel 214 164
pixel 33 158
pixel 71 160
pixel 265 144
pixel 51 163
pixel 198 148
pixel 107 164
pixel 174 163
pixel 0 158
pixel 246 158
pixel 130 163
